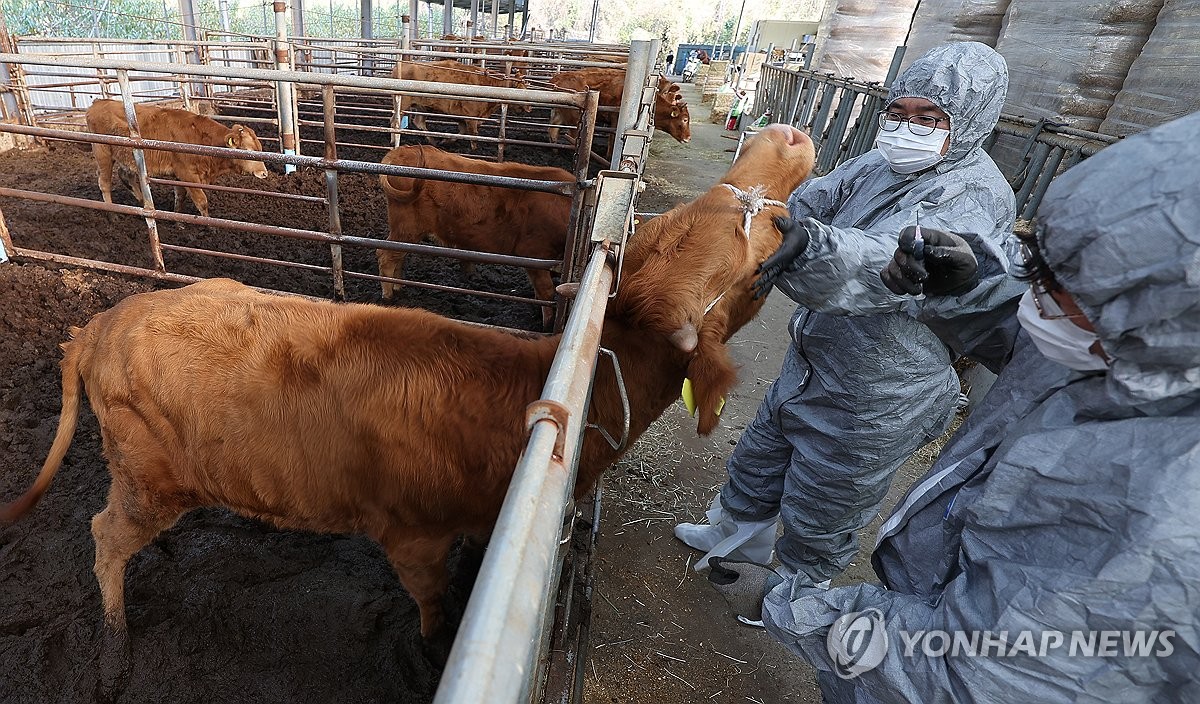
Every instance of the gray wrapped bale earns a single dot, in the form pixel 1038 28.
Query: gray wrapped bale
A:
pixel 862 36
pixel 1164 81
pixel 940 22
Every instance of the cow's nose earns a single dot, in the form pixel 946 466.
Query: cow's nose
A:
pixel 260 174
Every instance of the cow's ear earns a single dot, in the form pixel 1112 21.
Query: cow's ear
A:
pixel 713 375
pixel 231 140
pixel 674 113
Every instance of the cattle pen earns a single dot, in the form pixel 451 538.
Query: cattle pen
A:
pixel 326 115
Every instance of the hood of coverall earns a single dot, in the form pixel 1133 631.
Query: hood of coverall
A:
pixel 968 81
pixel 1121 231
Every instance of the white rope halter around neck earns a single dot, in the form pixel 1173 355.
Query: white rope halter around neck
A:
pixel 754 200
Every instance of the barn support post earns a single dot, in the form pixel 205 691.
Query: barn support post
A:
pixel 473 21
pixel 284 90
pixel 366 30
pixel 512 19
pixel 297 18
pixel 223 8
pixel 139 158
pixel 188 11
pixel 414 14
pixel 329 107
pixel 447 17
pixel 595 17
pixel 491 33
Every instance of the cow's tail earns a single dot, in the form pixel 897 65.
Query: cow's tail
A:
pixel 403 188
pixel 72 392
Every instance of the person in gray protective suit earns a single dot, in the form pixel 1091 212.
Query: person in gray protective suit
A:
pixel 857 395
pixel 1061 522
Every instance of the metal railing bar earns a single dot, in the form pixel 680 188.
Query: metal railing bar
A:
pixel 559 187
pixel 234 189
pixel 294 233
pixel 383 84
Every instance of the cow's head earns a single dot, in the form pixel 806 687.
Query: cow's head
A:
pixel 688 272
pixel 240 137
pixel 675 120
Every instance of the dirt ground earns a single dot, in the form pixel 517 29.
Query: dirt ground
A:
pixel 660 633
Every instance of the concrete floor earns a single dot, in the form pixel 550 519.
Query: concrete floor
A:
pixel 660 633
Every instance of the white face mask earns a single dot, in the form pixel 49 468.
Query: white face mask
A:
pixel 1059 340
pixel 908 153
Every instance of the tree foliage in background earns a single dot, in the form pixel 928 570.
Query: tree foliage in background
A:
pixel 679 21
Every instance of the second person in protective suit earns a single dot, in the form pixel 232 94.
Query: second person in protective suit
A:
pixel 857 395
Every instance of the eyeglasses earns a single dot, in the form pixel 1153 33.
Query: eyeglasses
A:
pixel 1043 300
pixel 920 125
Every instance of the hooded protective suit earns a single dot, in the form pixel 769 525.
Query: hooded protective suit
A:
pixel 857 395
pixel 1069 501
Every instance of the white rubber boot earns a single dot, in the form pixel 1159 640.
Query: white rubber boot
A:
pixel 725 536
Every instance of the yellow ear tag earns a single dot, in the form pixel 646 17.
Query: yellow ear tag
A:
pixel 689 399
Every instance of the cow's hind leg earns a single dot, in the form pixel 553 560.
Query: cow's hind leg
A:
pixel 419 559
pixel 126 525
pixel 543 289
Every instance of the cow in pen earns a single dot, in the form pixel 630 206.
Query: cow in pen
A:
pixel 481 218
pixel 671 113
pixel 469 113
pixel 170 125
pixel 394 423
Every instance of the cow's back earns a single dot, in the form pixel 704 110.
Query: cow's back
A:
pixel 162 124
pixel 314 415
pixel 476 217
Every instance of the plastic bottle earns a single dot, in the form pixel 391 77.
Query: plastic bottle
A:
pixel 762 121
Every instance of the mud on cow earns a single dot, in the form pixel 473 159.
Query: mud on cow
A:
pixel 670 111
pixel 469 113
pixel 480 218
pixel 170 125
pixel 286 409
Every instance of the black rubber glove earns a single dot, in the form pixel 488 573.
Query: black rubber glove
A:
pixel 795 240
pixel 947 265
pixel 743 584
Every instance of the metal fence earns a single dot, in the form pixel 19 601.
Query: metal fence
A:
pixel 840 114
pixel 502 650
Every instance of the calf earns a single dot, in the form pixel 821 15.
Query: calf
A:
pixel 394 423
pixel 170 125
pixel 469 113
pixel 480 218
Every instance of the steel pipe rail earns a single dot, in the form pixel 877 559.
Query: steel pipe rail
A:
pixel 292 232
pixel 539 97
pixel 347 165
pixel 494 655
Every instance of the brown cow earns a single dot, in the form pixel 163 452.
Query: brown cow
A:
pixel 469 113
pixel 670 112
pixel 481 218
pixel 286 409
pixel 170 125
